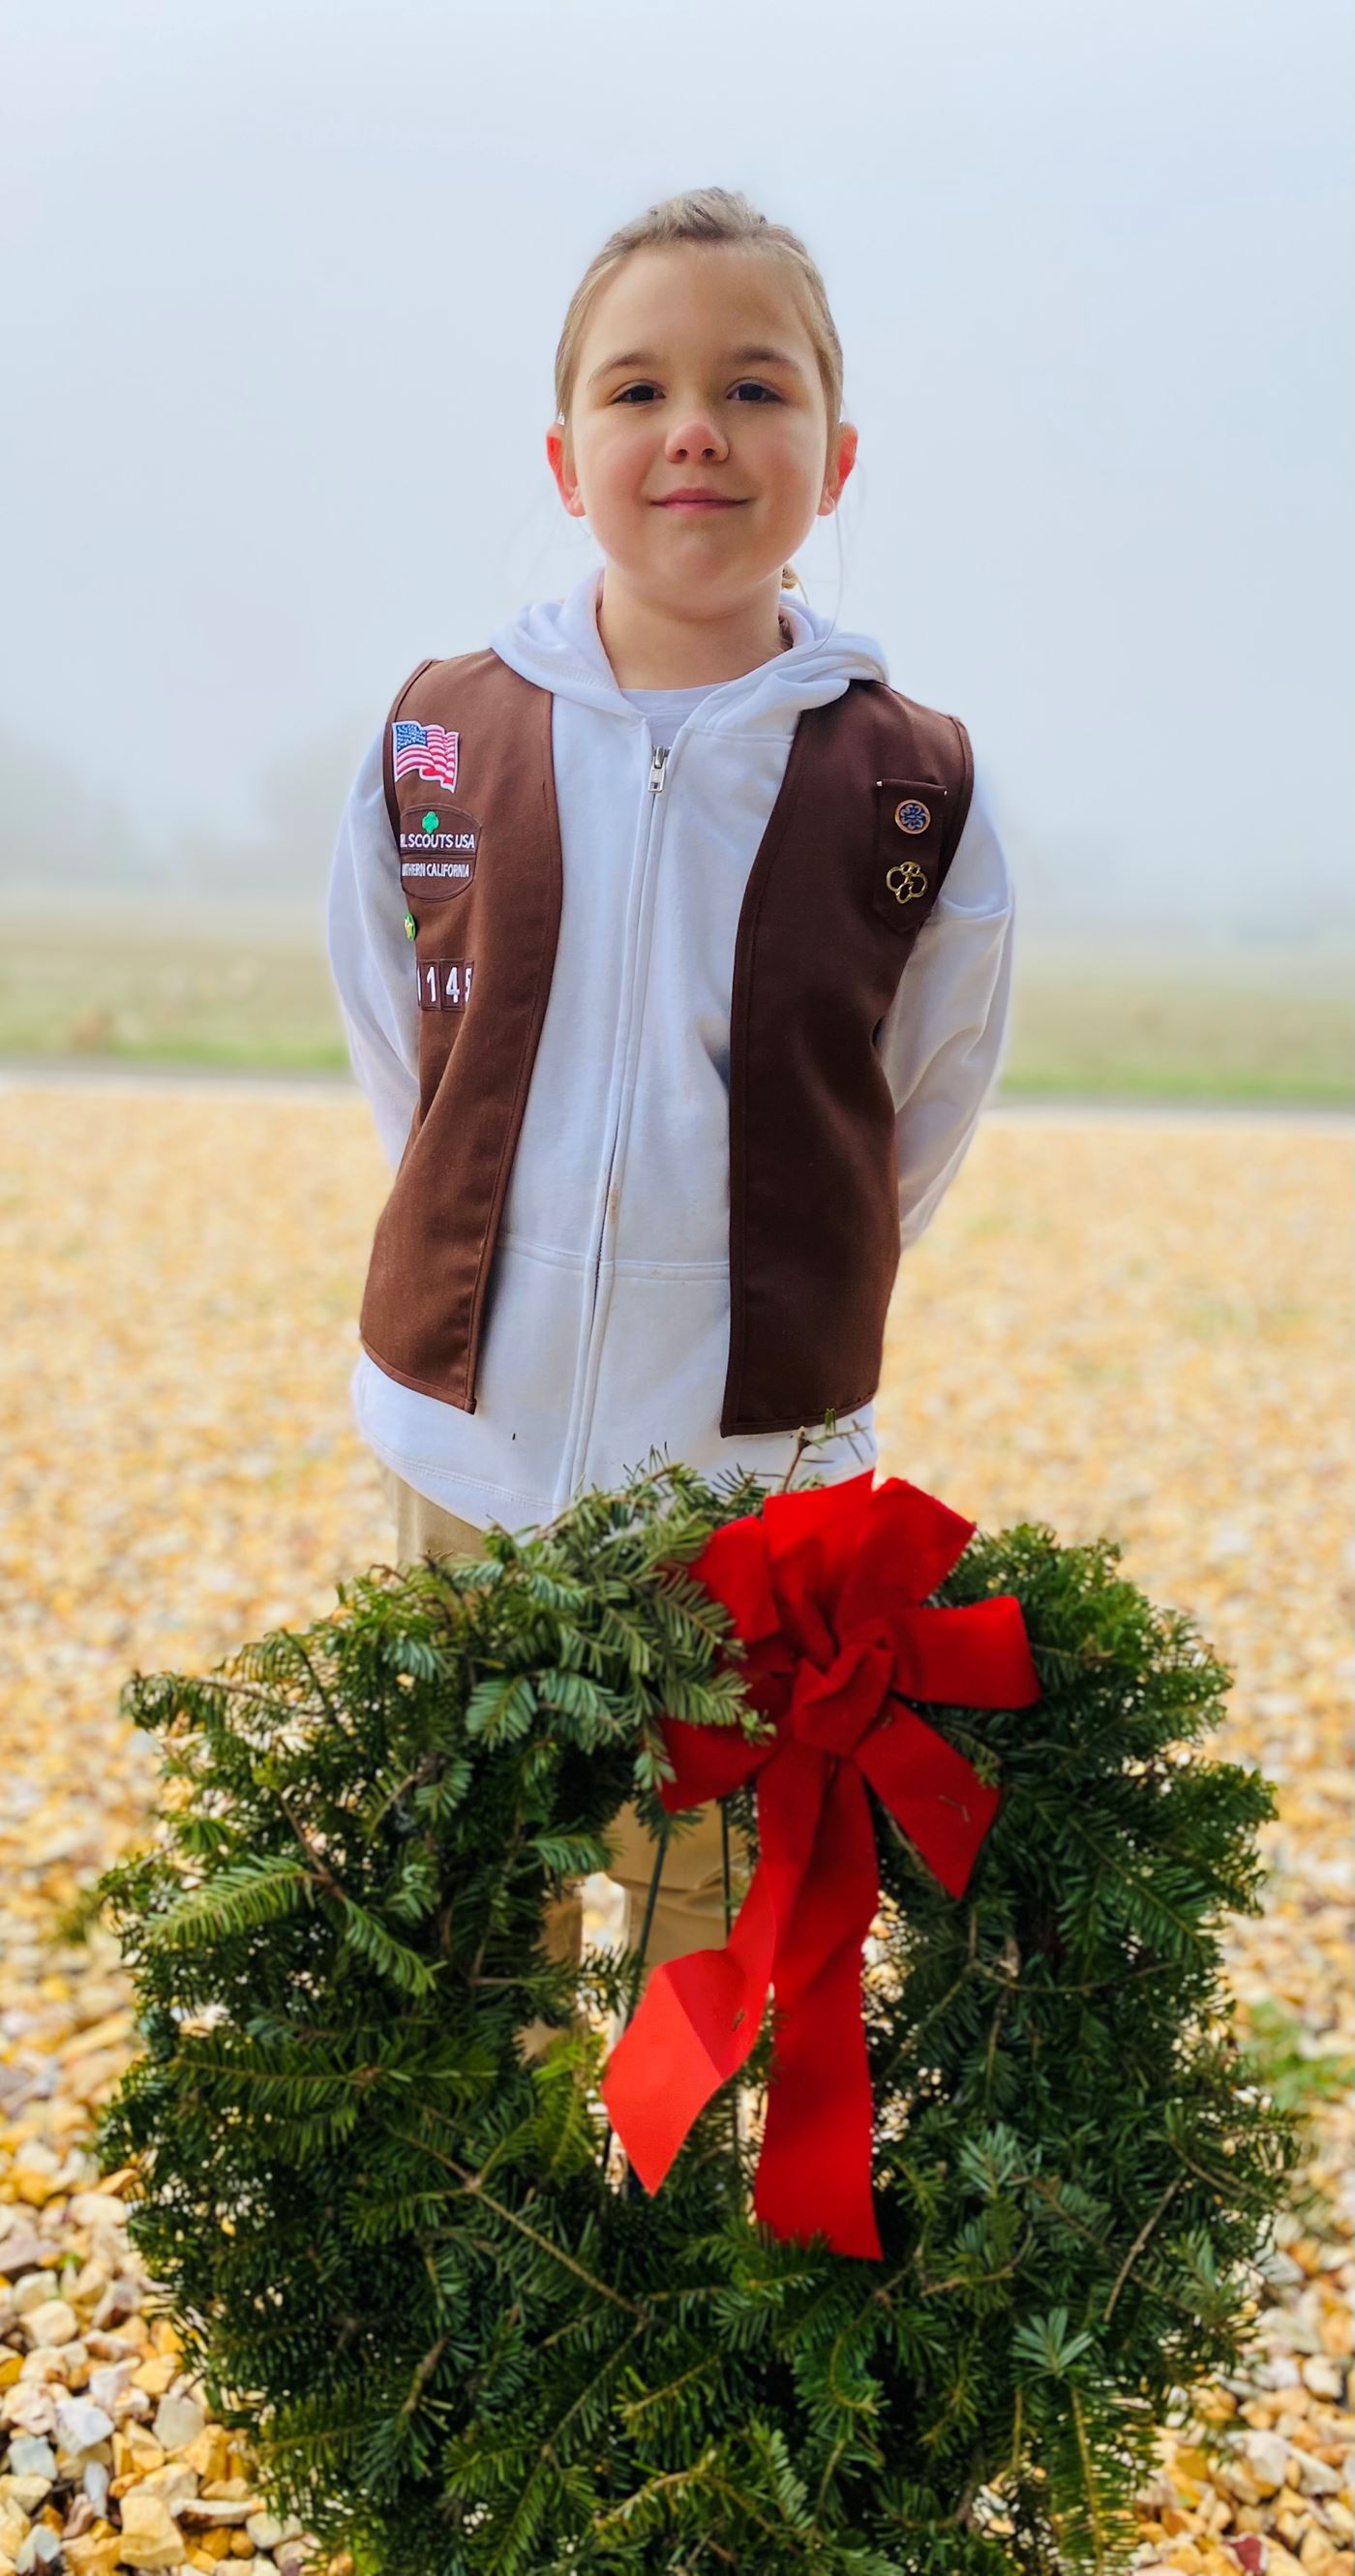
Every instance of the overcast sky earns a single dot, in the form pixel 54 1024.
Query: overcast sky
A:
pixel 284 285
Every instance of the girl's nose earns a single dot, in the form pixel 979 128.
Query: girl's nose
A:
pixel 695 437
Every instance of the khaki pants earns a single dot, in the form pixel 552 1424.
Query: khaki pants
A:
pixel 689 1910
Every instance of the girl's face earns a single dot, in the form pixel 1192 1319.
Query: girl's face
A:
pixel 695 371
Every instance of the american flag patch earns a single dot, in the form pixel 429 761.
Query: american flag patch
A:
pixel 428 750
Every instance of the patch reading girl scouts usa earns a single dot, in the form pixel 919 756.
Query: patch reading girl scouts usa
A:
pixel 438 843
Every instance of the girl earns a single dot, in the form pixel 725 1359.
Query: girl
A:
pixel 618 919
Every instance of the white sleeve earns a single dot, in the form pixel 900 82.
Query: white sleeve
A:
pixel 941 1042
pixel 371 960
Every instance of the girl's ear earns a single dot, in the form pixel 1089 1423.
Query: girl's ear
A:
pixel 565 482
pixel 845 460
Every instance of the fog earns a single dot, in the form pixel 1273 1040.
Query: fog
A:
pixel 283 291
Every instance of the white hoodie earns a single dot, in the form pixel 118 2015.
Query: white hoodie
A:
pixel 605 1328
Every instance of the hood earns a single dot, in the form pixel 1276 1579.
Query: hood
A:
pixel 556 643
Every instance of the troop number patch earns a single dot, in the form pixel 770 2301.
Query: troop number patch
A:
pixel 444 983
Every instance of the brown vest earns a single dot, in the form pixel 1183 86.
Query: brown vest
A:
pixel 864 827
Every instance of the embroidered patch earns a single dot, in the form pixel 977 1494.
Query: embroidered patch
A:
pixel 912 815
pixel 426 751
pixel 438 844
pixel 444 983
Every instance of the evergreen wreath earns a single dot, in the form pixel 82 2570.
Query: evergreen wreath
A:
pixel 451 2335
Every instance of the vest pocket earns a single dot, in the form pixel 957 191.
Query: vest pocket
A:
pixel 910 817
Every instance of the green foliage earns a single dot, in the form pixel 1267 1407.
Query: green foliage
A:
pixel 452 2342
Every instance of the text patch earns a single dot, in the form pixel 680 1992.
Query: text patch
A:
pixel 438 847
pixel 444 983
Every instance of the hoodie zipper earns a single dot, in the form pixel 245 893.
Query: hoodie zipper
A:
pixel 654 786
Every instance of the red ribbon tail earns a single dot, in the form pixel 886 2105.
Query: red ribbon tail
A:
pixel 696 2024
pixel 814 2173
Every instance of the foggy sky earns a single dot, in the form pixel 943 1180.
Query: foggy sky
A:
pixel 284 284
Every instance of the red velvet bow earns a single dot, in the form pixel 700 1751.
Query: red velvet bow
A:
pixel 827 1588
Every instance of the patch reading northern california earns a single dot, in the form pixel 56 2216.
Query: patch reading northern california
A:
pixel 438 847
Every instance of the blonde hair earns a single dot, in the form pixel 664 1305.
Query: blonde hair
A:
pixel 706 215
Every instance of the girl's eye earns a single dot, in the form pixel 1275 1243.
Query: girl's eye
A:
pixel 747 381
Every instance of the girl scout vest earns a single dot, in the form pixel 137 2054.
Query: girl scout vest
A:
pixel 864 827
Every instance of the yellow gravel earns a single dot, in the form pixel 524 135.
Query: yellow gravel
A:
pixel 1132 1326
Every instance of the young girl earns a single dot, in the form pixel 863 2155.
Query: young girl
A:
pixel 619 918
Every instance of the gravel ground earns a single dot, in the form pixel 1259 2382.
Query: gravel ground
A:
pixel 1136 1326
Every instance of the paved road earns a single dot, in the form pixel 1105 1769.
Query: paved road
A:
pixel 22 1073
